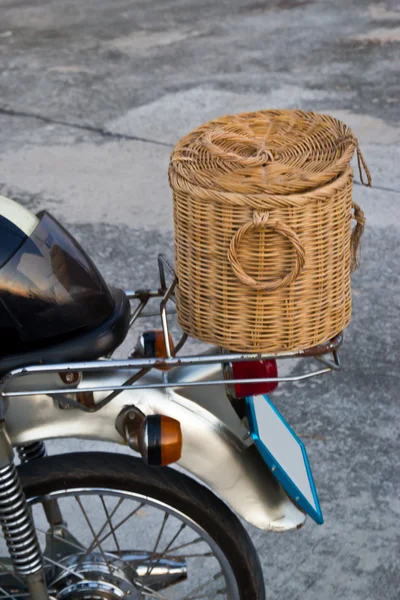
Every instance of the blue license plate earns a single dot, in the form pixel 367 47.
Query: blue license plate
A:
pixel 284 453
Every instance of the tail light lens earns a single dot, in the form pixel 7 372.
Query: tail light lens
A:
pixel 258 369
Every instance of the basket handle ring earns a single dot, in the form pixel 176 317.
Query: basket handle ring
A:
pixel 261 221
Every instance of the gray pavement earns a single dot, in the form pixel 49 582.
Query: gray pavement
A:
pixel 94 94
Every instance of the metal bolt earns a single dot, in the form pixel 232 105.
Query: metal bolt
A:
pixel 69 377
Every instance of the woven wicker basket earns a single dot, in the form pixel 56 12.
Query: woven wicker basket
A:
pixel 263 242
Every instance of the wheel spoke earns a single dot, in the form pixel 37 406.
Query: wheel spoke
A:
pixel 152 571
pixel 103 539
pixel 5 594
pixel 200 555
pixel 153 554
pixel 201 587
pixel 174 538
pixel 104 526
pixel 111 525
pixel 195 541
pixel 13 573
pixel 98 543
pixel 55 563
pixel 59 538
pixel 147 591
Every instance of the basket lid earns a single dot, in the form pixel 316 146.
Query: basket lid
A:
pixel 270 151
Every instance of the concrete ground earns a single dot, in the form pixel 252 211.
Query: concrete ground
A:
pixel 94 94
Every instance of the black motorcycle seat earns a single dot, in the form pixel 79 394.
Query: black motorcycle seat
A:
pixel 89 344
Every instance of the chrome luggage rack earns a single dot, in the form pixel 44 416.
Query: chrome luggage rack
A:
pixel 143 365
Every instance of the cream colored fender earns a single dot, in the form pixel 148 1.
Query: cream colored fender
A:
pixel 217 448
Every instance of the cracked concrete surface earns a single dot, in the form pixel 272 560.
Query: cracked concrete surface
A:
pixel 93 96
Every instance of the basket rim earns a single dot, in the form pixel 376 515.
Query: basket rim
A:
pixel 234 198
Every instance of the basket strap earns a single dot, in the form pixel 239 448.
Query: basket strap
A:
pixel 362 167
pixel 261 221
pixel 356 235
pixel 231 147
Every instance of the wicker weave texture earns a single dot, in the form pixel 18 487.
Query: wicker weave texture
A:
pixel 263 241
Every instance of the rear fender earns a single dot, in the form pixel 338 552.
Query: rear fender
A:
pixel 217 448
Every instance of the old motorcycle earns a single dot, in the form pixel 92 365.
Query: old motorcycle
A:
pixel 109 525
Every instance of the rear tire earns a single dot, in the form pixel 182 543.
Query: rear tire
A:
pixel 108 471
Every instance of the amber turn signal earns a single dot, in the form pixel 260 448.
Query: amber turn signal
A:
pixel 151 344
pixel 160 440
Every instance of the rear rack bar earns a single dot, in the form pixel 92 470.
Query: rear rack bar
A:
pixel 144 365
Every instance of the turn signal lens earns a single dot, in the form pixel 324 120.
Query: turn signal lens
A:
pixel 258 369
pixel 160 440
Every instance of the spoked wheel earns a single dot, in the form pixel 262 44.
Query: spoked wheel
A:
pixel 130 531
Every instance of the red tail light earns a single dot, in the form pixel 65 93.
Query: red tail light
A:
pixel 258 369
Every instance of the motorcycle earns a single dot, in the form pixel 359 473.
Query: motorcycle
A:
pixel 107 525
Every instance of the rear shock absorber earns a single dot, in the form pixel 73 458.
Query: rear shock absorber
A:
pixel 34 451
pixel 17 523
pixel 31 451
